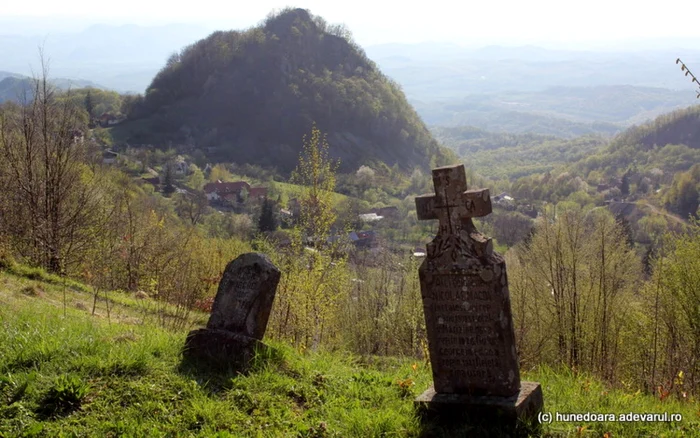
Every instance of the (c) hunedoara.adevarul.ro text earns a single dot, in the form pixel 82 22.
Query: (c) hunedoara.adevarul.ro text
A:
pixel 569 417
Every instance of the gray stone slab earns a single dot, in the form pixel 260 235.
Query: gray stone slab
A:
pixel 501 416
pixel 239 315
pixel 244 299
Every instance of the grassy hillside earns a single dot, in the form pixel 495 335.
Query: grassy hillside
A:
pixel 67 372
pixel 249 96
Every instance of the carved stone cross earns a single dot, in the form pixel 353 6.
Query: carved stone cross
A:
pixel 452 204
pixel 468 319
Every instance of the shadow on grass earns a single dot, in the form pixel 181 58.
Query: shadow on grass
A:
pixel 63 398
pixel 436 425
pixel 216 373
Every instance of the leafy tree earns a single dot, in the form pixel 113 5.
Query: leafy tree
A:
pixel 626 229
pixel 570 285
pixel 672 298
pixel 316 172
pixel 683 196
pixel 195 179
pixel 511 227
pixel 191 206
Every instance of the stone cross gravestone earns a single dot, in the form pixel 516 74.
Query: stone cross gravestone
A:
pixel 239 314
pixel 466 302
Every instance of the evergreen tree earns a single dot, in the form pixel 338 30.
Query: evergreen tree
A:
pixel 168 178
pixel 626 229
pixel 625 186
pixel 89 104
pixel 267 222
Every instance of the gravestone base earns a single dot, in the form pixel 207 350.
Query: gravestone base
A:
pixel 503 416
pixel 221 349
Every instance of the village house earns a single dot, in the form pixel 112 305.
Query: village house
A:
pixel 502 198
pixel 108 119
pixel 377 214
pixel 257 194
pixel 370 217
pixel 365 239
pixel 234 192
pixel 390 212
pixel 220 191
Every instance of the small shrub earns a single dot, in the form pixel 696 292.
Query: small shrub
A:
pixel 405 387
pixel 32 291
pixel 64 397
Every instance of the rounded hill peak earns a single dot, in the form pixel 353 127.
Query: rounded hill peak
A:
pixel 249 97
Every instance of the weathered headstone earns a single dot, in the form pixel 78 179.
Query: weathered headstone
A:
pixel 239 314
pixel 466 302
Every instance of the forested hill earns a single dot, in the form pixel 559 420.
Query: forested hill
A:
pixel 663 152
pixel 671 143
pixel 678 127
pixel 249 96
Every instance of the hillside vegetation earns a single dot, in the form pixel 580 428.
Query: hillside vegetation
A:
pixel 510 156
pixel 245 96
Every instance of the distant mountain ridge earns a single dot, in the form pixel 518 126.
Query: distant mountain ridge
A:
pixel 432 71
pixel 250 97
pixel 121 57
pixel 560 111
pixel 14 87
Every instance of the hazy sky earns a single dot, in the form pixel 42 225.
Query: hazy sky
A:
pixel 373 21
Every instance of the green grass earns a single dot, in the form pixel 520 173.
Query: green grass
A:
pixel 85 375
pixel 290 191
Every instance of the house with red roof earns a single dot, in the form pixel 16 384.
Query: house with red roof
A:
pixel 257 193
pixel 234 192
pixel 219 191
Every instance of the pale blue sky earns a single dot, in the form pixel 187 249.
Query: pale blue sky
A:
pixel 373 22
